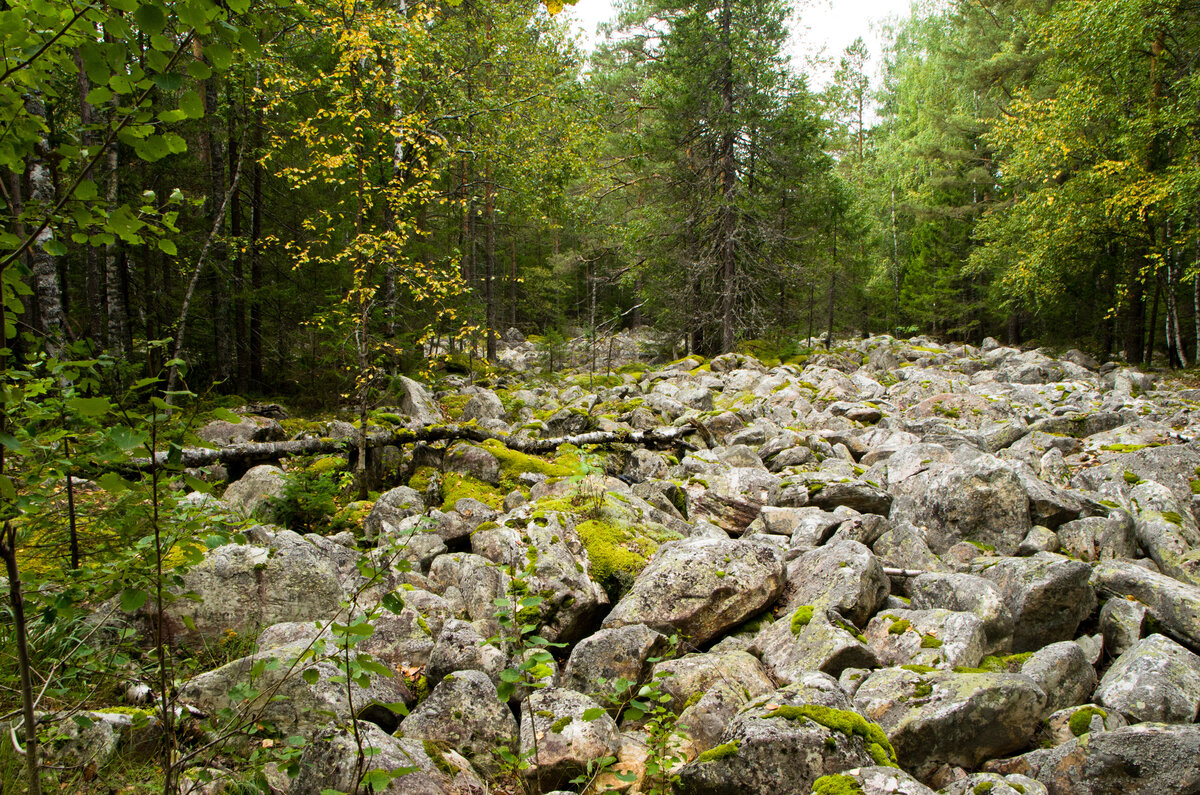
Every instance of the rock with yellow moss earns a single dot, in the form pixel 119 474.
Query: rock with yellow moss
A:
pixel 702 586
pixel 782 742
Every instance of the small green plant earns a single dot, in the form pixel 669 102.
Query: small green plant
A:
pixel 650 705
pixel 518 615
pixel 309 500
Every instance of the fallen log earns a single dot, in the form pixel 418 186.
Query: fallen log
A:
pixel 242 456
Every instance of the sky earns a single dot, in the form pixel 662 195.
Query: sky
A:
pixel 824 27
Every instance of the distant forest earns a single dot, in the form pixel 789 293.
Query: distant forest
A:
pixel 283 194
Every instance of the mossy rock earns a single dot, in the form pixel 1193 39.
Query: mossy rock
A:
pixel 801 618
pixel 849 723
pixel 456 487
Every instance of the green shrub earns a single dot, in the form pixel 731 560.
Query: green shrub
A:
pixel 309 500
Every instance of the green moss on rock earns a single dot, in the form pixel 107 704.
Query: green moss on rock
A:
pixel 898 627
pixel 836 785
pixel 801 617
pixel 846 722
pixel 1081 722
pixel 719 752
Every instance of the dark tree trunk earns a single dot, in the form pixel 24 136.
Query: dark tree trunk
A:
pixel 256 270
pixel 727 221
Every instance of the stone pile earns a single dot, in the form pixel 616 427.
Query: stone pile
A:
pixel 897 567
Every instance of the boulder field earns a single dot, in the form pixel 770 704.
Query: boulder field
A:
pixel 894 567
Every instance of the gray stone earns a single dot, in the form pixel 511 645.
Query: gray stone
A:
pixel 1121 623
pixel 611 654
pixel 980 500
pixel 774 746
pixel 937 638
pixel 249 429
pixel 483 405
pixel 1063 725
pixel 287 700
pixel 1167 531
pixel 1147 759
pixel 392 507
pixel 994 784
pixel 1100 537
pixel 253 493
pixel 844 575
pixel 877 780
pixel 966 592
pixel 1038 539
pixel 464 712
pixel 476 462
pixel 331 760
pixel 790 647
pixel 1155 680
pixel 1048 596
pixel 1063 672
pixel 1175 605
pixel 243 588
pixel 857 494
pixel 951 718
pixel 565 741
pixel 460 647
pixel 417 403
pixel 701 587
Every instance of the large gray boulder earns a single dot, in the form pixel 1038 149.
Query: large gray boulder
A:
pixel 1047 594
pixel 470 584
pixel 1063 672
pixel 296 693
pixel 571 600
pixel 784 741
pixel 465 714
pixel 812 639
pixel 250 429
pixel 941 717
pixel 417 403
pixel 1122 622
pixel 1173 465
pixel 1146 759
pixel 844 575
pixel 967 593
pixel 980 500
pixel 461 647
pixel 1155 680
pixel 599 660
pixel 483 405
pixel 331 761
pixel 566 742
pixel 391 509
pixel 243 588
pixel 936 638
pixel 874 780
pixel 469 459
pixel 1100 537
pixel 700 587
pixel 252 494
pixel 707 690
pixel 1175 605
pixel 1167 531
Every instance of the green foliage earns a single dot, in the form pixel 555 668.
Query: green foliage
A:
pixel 309 502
